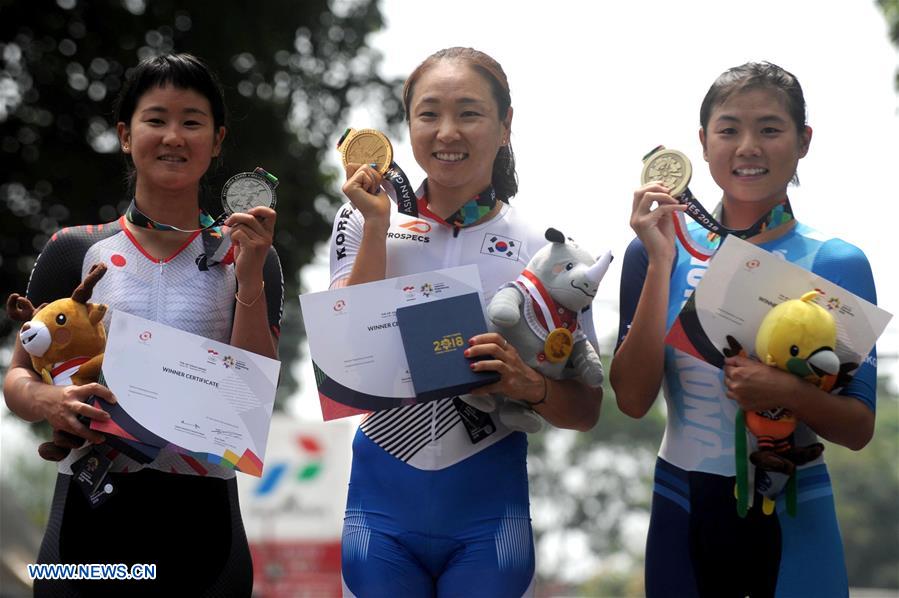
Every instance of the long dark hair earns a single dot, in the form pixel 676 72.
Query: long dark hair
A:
pixel 504 179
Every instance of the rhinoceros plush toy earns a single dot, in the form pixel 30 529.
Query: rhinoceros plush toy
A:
pixel 539 314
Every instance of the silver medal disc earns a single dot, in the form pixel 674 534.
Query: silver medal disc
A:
pixel 245 191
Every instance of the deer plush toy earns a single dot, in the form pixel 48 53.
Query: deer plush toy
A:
pixel 539 314
pixel 65 339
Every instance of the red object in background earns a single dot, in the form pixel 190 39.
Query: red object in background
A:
pixel 296 569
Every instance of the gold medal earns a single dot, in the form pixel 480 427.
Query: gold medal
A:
pixel 366 146
pixel 669 167
pixel 558 345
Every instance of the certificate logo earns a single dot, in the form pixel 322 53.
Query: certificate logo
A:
pixel 228 361
pixel 145 336
pixel 426 289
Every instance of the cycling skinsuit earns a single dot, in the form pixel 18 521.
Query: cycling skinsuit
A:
pixel 189 525
pixel 430 511
pixel 697 544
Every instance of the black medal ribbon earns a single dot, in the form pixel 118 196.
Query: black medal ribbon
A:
pixel 781 214
pixel 406 201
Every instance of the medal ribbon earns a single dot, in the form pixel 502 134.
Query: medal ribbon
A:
pixel 473 210
pixel 217 245
pixel 781 214
pixel 138 218
pixel 541 297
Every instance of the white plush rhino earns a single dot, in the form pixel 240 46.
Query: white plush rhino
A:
pixel 557 285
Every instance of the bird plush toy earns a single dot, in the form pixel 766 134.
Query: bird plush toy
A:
pixel 65 339
pixel 539 314
pixel 797 336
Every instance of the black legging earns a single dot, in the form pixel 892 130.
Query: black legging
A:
pixel 189 526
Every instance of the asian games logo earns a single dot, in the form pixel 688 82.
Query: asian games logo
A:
pixel 752 264
pixel 145 336
pixel 305 466
pixel 426 289
pixel 339 305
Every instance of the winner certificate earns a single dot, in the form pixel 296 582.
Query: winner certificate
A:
pixel 355 340
pixel 208 398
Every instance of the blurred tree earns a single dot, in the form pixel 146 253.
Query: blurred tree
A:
pixel 890 10
pixel 590 492
pixel 291 71
pixel 866 485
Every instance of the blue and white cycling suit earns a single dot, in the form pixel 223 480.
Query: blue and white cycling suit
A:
pixel 431 509
pixel 697 545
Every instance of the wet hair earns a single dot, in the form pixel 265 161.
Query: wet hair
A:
pixel 757 75
pixel 183 71
pixel 504 179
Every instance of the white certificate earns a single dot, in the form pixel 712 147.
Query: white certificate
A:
pixel 355 344
pixel 743 282
pixel 204 396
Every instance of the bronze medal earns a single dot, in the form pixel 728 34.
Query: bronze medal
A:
pixel 366 146
pixel 558 346
pixel 669 167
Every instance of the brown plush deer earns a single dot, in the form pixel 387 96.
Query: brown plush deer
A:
pixel 65 339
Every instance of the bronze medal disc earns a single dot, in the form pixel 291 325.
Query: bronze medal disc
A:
pixel 367 146
pixel 669 167
pixel 558 345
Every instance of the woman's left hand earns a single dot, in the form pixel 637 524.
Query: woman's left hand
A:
pixel 756 386
pixel 517 379
pixel 251 234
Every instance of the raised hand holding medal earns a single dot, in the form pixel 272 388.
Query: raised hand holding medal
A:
pixel 371 149
pixel 672 169
pixel 249 199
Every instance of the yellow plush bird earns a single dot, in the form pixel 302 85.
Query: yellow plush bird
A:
pixel 799 336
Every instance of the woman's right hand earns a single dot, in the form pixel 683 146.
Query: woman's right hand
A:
pixel 61 406
pixel 655 227
pixel 363 189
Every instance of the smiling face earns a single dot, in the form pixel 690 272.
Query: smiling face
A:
pixel 171 139
pixel 753 146
pixel 455 128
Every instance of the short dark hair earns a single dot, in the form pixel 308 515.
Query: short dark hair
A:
pixel 504 178
pixel 183 71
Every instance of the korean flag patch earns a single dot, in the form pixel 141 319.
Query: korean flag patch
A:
pixel 501 246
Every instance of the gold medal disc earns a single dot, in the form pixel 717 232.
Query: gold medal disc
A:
pixel 669 167
pixel 558 345
pixel 367 146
